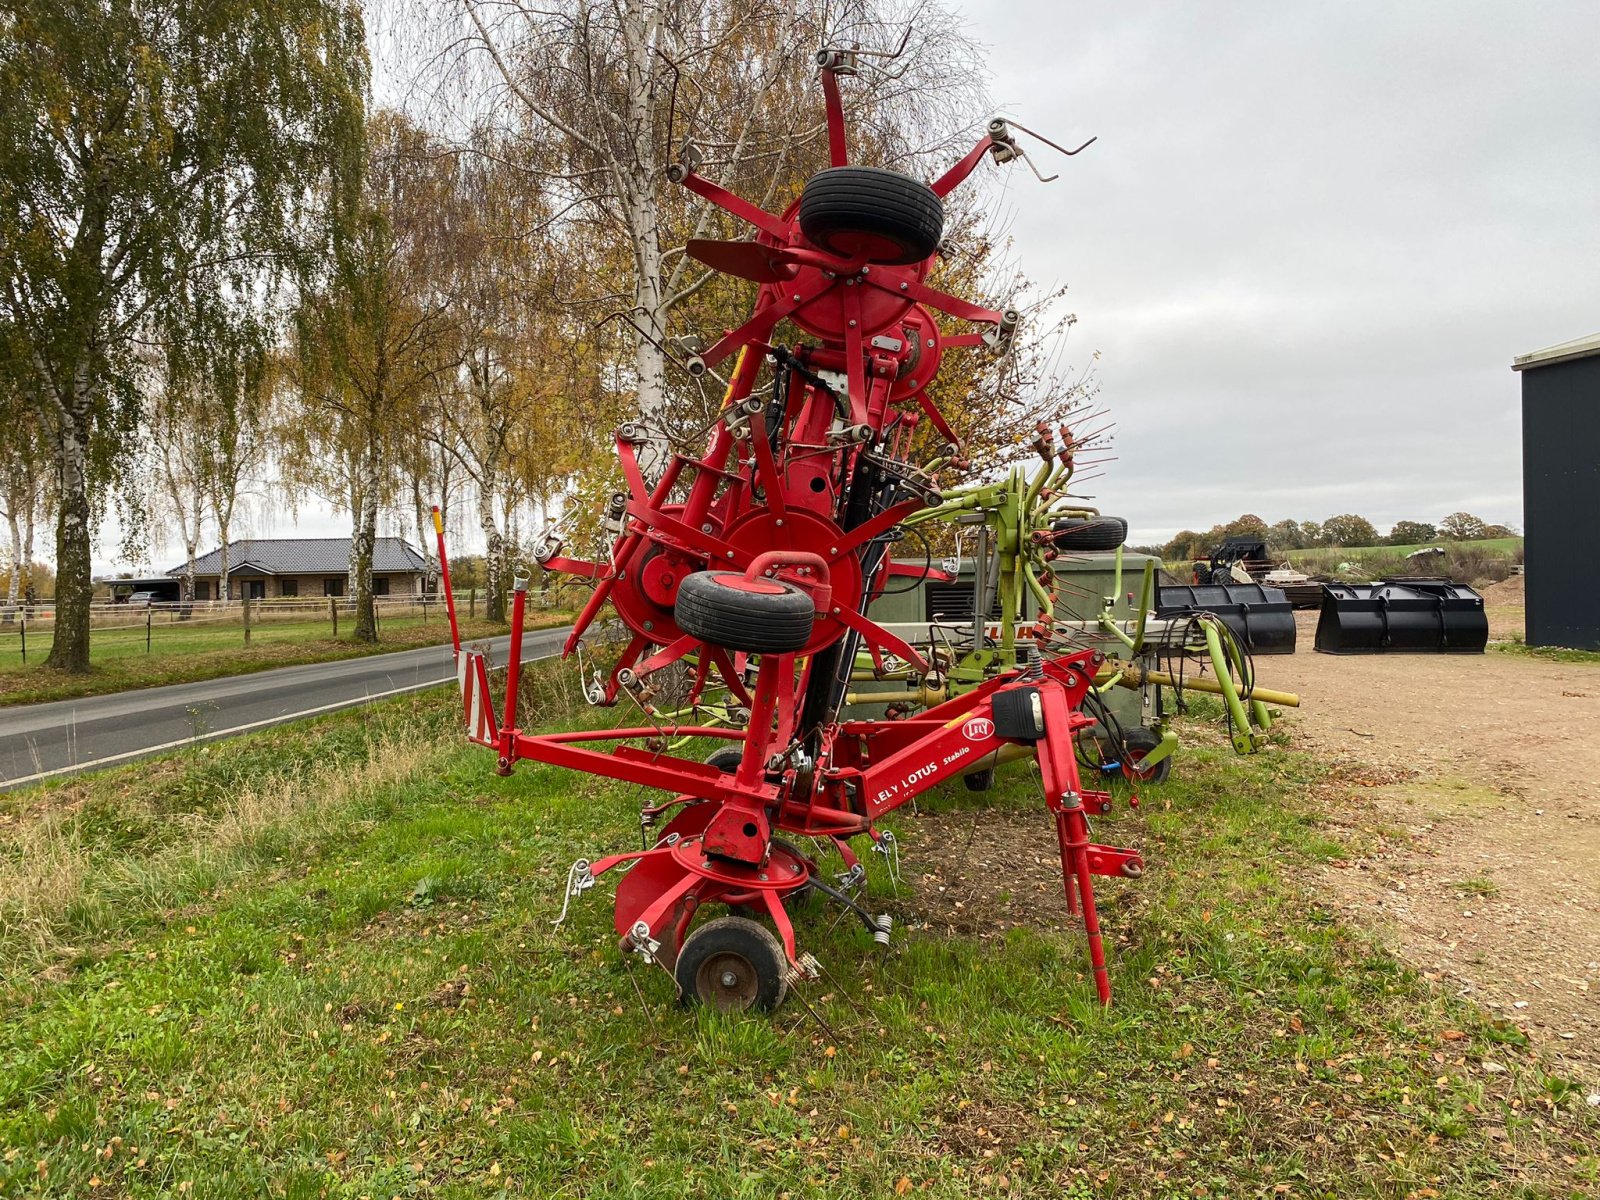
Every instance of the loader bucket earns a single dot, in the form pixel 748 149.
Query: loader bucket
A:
pixel 1260 617
pixel 1404 616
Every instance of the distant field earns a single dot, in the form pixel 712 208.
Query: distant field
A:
pixel 1505 546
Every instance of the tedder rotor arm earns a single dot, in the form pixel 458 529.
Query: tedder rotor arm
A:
pixel 951 738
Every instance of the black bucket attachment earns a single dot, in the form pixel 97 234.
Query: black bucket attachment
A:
pixel 1259 616
pixel 1402 616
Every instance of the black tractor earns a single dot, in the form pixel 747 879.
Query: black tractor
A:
pixel 1249 553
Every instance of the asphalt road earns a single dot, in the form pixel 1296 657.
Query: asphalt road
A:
pixel 41 741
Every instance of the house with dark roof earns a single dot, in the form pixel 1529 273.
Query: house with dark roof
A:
pixel 270 568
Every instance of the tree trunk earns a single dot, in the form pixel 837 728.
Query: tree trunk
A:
pixel 494 558
pixel 14 581
pixel 425 538
pixel 222 577
pixel 363 536
pixel 640 32
pixel 69 650
pixel 27 552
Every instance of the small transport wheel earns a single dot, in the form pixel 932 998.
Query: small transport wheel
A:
pixel 733 965
pixel 1090 533
pixel 726 758
pixel 979 781
pixel 886 216
pixel 1138 742
pixel 758 616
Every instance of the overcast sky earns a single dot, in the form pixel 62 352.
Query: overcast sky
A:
pixel 1307 245
pixel 1310 240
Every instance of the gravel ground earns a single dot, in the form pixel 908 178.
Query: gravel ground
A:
pixel 1469 783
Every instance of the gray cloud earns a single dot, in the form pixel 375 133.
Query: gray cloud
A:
pixel 1307 245
pixel 1309 240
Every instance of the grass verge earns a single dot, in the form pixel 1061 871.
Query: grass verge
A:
pixel 350 986
pixel 1521 649
pixel 215 653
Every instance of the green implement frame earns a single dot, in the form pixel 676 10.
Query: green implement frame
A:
pixel 1014 569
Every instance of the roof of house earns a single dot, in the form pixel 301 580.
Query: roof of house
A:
pixel 1582 347
pixel 304 556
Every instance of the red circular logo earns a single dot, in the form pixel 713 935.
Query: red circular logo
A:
pixel 978 729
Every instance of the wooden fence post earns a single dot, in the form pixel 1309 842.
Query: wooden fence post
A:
pixel 245 596
pixel 24 636
pixel 147 629
pixel 333 612
pixel 472 603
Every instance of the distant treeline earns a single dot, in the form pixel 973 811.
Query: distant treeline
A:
pixel 1347 529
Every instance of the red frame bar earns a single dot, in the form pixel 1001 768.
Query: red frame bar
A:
pixel 956 175
pixel 838 150
pixel 444 580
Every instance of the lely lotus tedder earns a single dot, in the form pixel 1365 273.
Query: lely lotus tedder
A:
pixel 751 568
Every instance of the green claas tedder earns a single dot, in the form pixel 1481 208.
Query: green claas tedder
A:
pixel 1046 575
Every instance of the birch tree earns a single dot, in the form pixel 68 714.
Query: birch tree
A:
pixel 24 470
pixel 238 389
pixel 526 410
pixel 429 454
pixel 374 340
pixel 611 89
pixel 151 154
pixel 178 491
pixel 209 427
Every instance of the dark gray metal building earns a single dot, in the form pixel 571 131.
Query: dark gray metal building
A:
pixel 1561 492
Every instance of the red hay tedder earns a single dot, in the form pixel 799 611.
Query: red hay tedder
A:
pixel 754 564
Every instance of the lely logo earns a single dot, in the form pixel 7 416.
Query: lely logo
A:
pixel 978 729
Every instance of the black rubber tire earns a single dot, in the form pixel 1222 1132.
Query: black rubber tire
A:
pixel 726 758
pixel 843 209
pixel 756 622
pixel 1137 742
pixel 1090 533
pixel 750 952
pixel 979 781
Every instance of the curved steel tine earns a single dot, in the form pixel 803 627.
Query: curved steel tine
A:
pixel 1053 145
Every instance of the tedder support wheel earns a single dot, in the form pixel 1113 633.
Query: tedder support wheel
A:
pixel 726 758
pixel 884 215
pixel 732 964
pixel 979 781
pixel 758 616
pixel 1090 533
pixel 1138 742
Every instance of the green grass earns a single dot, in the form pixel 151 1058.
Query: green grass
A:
pixel 119 662
pixel 1548 653
pixel 1501 546
pixel 320 962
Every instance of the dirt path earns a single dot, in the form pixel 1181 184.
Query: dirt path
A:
pixel 1472 786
